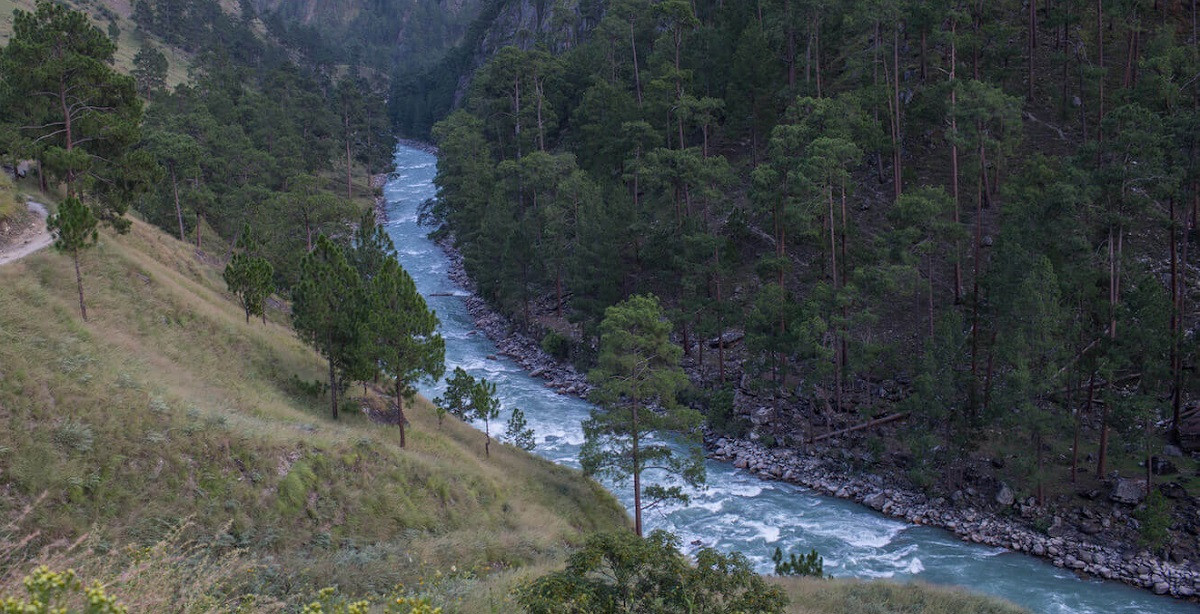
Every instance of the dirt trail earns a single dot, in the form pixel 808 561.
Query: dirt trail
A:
pixel 34 239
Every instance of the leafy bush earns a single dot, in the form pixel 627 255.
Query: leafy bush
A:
pixel 1155 520
pixel 49 592
pixel 620 572
pixel 557 345
pixel 74 436
pixel 8 200
pixel 722 417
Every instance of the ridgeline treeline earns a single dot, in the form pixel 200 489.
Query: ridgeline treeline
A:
pixel 250 140
pixel 981 213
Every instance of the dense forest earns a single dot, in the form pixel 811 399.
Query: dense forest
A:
pixel 977 215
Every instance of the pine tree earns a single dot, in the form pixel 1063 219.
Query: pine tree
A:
pixel 405 344
pixel 518 432
pixel 150 70
pixel 74 230
pixel 250 277
pixel 639 371
pixel 327 308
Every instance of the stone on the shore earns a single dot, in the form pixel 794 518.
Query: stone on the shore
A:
pixel 1128 491
pixel 875 501
pixel 1005 496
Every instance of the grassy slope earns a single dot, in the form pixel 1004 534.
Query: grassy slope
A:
pixel 810 596
pixel 128 45
pixel 167 406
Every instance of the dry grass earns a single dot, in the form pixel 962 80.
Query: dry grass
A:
pixel 813 596
pixel 166 405
pixel 128 44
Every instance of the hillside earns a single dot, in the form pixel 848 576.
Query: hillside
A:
pixel 167 408
pixel 116 18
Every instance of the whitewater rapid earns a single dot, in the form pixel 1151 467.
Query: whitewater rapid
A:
pixel 738 511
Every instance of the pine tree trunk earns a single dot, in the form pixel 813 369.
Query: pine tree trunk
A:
pixel 401 420
pixel 1175 316
pixel 178 209
pixel 958 273
pixel 1032 43
pixel 333 391
pixel 896 153
pixel 79 285
pixel 1100 64
pixel 637 76
pixel 637 475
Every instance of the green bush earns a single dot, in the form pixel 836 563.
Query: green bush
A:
pixel 74 436
pixel 8 199
pixel 721 416
pixel 49 590
pixel 557 345
pixel 1155 520
pixel 620 572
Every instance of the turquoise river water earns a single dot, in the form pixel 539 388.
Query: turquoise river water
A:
pixel 737 511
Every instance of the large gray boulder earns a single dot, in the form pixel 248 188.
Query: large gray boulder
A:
pixel 1005 496
pixel 1128 491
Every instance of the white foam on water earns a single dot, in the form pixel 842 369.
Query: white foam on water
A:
pixel 915 567
pixel 735 489
pixel 768 533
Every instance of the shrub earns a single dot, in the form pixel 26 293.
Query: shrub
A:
pixel 8 200
pixel 810 564
pixel 620 572
pixel 49 592
pixel 1155 519
pixel 74 436
pixel 722 417
pixel 557 345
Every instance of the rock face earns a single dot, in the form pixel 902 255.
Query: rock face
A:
pixel 1129 492
pixel 1005 496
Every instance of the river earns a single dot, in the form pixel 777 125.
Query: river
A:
pixel 737 511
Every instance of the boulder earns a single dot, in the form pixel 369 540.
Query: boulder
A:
pixel 1162 466
pixel 875 501
pixel 1005 496
pixel 1128 491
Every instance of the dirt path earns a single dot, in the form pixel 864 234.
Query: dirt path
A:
pixel 34 239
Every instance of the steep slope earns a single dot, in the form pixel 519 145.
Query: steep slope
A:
pixel 377 34
pixel 166 406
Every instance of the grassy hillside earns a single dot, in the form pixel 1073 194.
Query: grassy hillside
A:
pixel 104 12
pixel 812 596
pixel 166 407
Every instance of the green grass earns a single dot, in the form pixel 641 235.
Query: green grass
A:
pixel 167 406
pixel 813 596
pixel 10 205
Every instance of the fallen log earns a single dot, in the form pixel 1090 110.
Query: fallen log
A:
pixel 865 425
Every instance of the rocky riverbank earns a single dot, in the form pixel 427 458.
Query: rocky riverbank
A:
pixel 970 524
pixel 428 148
pixel 381 205
pixel 526 352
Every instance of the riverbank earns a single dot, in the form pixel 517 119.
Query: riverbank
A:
pixel 1117 562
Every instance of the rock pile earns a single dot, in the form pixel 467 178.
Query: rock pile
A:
pixel 969 523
